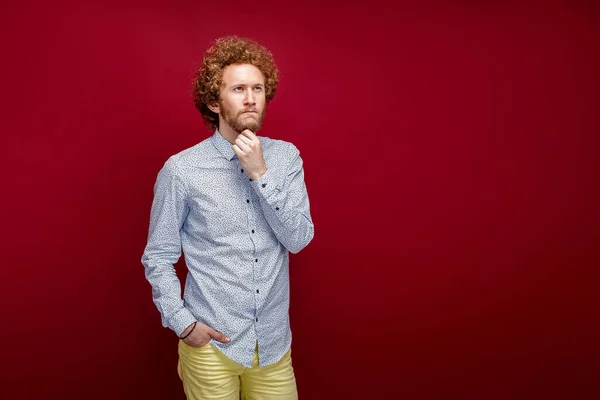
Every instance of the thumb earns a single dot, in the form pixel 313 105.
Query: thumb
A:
pixel 219 336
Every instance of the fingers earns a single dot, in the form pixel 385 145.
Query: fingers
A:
pixel 218 336
pixel 249 134
pixel 202 335
pixel 242 144
pixel 245 139
pixel 249 138
pixel 239 152
pixel 197 341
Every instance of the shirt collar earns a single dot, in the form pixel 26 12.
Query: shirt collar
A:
pixel 223 146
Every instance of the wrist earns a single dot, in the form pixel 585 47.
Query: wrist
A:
pixel 257 175
pixel 188 331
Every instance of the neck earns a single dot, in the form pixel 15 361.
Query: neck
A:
pixel 227 132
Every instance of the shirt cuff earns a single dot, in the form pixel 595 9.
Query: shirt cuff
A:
pixel 265 186
pixel 181 320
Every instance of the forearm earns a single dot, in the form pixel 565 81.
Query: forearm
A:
pixel 292 227
pixel 166 293
pixel 285 205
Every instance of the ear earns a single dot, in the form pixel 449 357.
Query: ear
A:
pixel 213 107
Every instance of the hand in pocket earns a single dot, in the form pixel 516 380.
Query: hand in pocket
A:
pixel 202 334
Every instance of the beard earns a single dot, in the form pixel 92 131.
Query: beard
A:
pixel 238 122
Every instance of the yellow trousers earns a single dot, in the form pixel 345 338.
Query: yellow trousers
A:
pixel 207 373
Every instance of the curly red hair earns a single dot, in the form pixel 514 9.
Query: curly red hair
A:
pixel 209 77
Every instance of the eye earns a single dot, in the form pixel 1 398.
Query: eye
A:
pixel 258 88
pixel 237 88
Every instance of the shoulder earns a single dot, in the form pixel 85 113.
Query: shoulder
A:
pixel 189 158
pixel 279 146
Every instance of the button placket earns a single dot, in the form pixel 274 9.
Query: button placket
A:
pixel 251 221
pixel 250 213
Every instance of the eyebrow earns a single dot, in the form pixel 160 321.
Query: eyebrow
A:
pixel 244 84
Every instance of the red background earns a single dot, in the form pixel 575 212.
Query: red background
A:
pixel 451 155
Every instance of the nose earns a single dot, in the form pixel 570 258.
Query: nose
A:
pixel 250 98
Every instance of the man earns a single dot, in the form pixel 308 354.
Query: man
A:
pixel 236 203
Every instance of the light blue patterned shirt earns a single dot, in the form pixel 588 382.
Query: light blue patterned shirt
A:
pixel 235 234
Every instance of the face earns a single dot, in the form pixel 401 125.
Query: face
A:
pixel 242 103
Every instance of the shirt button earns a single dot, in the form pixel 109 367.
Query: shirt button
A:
pixel 247 201
pixel 242 170
pixel 252 230
pixel 256 260
pixel 264 184
pixel 250 179
pixel 277 208
pixel 257 319
pixel 256 290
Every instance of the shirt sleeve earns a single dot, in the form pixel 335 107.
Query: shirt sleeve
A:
pixel 284 201
pixel 169 210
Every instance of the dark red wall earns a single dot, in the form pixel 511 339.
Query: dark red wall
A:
pixel 451 156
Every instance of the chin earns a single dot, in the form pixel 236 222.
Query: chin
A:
pixel 252 127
